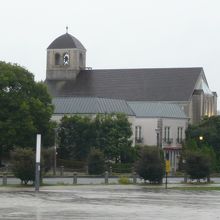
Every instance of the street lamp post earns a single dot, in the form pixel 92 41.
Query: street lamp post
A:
pixel 158 136
pixel 201 138
pixel 201 141
pixel 55 152
pixel 37 169
pixel 184 167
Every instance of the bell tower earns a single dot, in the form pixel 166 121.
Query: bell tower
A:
pixel 66 56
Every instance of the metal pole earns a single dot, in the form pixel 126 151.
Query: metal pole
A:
pixel 37 170
pixel 184 168
pixel 185 177
pixel 166 181
pixel 37 177
pixel 4 178
pixel 134 178
pixel 55 152
pixel 61 170
pixel 75 178
pixel 106 177
pixel 55 161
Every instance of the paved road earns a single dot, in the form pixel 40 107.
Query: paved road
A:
pixel 109 202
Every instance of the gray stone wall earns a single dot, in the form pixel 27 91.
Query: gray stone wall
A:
pixel 197 106
pixel 203 105
pixel 215 97
pixel 62 74
pixel 77 62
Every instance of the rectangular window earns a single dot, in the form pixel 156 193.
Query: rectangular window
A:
pixel 167 134
pixel 179 135
pixel 138 137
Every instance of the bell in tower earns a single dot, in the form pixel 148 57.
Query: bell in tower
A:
pixel 66 56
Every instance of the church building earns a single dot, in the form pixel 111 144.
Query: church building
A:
pixel 181 95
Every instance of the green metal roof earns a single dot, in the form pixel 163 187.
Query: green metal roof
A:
pixel 94 105
pixel 90 105
pixel 157 109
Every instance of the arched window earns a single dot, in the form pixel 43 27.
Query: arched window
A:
pixel 80 60
pixel 57 59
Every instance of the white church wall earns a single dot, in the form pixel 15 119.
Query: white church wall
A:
pixel 149 126
pixel 57 118
pixel 174 124
pixel 148 133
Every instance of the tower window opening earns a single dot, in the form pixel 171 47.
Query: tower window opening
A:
pixel 66 59
pixel 81 60
pixel 57 59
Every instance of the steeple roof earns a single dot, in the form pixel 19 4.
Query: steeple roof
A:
pixel 66 41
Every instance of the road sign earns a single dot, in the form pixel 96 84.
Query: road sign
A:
pixel 167 166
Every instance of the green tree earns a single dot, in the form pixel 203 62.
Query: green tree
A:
pixel 96 162
pixel 209 129
pixel 47 155
pixel 210 153
pixel 198 165
pixel 113 133
pixel 150 165
pixel 23 164
pixel 76 136
pixel 109 132
pixel 190 146
pixel 26 109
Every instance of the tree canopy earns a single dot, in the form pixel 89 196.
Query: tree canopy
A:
pixel 113 132
pixel 109 132
pixel 26 108
pixel 76 136
pixel 96 162
pixel 205 135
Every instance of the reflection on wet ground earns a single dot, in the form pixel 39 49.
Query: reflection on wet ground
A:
pixel 109 202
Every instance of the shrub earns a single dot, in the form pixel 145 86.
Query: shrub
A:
pixel 124 180
pixel 129 155
pixel 73 164
pixel 96 162
pixel 150 165
pixel 198 165
pixel 23 164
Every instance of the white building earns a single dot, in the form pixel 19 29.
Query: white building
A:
pixel 162 125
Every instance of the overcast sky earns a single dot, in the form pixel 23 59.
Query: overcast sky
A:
pixel 116 33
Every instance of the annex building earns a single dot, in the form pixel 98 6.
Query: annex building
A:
pixel 159 102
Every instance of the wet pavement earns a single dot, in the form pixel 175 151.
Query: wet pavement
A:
pixel 108 202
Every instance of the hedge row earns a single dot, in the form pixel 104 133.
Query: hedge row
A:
pixel 122 167
pixel 73 164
